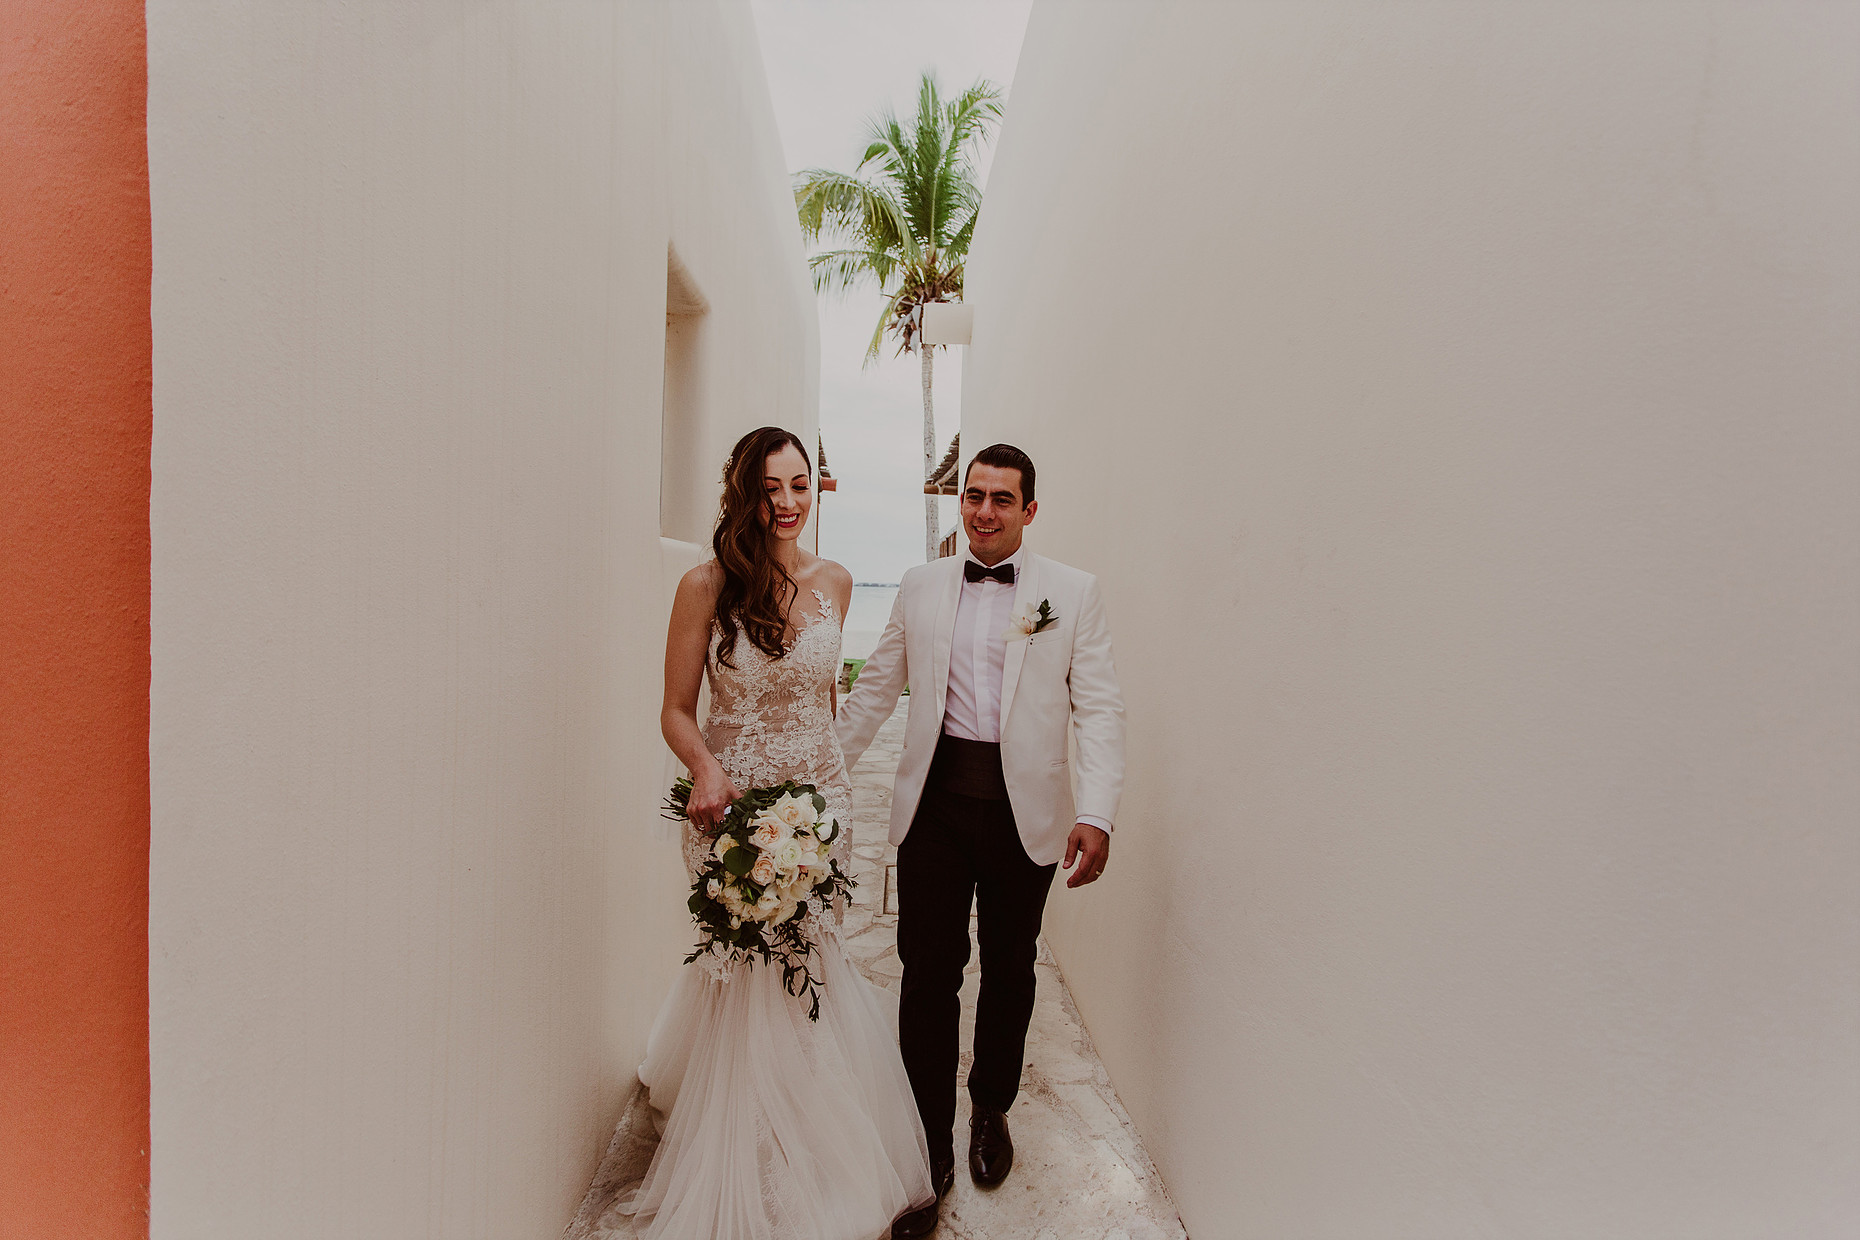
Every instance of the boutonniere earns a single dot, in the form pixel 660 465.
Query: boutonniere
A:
pixel 1030 620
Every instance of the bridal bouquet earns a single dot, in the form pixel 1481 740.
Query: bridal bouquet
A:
pixel 768 867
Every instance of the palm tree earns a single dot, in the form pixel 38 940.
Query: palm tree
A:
pixel 906 225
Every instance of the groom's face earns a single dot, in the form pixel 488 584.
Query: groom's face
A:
pixel 992 512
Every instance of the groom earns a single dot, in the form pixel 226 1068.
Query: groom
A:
pixel 1002 650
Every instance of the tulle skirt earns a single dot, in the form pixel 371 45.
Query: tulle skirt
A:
pixel 776 1127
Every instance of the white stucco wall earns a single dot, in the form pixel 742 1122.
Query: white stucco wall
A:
pixel 1458 402
pixel 409 923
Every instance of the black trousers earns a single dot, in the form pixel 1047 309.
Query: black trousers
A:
pixel 962 850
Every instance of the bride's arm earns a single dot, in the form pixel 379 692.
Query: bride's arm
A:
pixel 687 645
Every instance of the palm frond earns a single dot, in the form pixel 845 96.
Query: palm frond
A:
pixel 968 118
pixel 973 112
pixel 839 271
pixel 931 147
pixel 898 159
pixel 959 243
pixel 833 202
pixel 885 317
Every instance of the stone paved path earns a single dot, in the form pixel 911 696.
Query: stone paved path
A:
pixel 1080 1173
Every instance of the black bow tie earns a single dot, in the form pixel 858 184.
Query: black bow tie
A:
pixel 1003 572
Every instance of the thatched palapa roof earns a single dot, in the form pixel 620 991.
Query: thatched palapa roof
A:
pixel 827 481
pixel 942 480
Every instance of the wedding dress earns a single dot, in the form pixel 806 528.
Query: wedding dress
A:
pixel 776 1127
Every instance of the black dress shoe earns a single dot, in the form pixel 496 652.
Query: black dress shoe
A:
pixel 922 1221
pixel 991 1150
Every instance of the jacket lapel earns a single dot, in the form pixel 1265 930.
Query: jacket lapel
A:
pixel 1026 594
pixel 948 595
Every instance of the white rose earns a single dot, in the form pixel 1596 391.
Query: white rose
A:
pixel 713 889
pixel 829 829
pixel 769 902
pixel 794 812
pixel 788 854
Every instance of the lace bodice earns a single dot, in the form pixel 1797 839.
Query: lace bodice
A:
pixel 772 720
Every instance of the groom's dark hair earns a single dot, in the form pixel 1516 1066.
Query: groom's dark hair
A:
pixel 1006 456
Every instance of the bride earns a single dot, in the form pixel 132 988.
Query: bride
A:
pixel 774 1125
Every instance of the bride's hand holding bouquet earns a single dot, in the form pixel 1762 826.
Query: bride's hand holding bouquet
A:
pixel 708 798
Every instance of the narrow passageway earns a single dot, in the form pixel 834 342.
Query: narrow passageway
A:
pixel 1080 1172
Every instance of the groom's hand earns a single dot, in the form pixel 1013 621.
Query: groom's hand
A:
pixel 1091 848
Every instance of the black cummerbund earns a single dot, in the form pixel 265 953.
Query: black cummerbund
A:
pixel 968 768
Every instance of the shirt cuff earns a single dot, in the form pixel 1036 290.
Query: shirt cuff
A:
pixel 1092 820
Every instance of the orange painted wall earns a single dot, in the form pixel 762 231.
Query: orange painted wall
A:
pixel 75 421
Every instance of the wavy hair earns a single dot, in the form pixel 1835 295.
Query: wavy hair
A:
pixel 756 588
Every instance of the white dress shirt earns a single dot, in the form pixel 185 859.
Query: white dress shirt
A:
pixel 977 654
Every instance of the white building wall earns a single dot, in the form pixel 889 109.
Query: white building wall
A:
pixel 409 921
pixel 1458 402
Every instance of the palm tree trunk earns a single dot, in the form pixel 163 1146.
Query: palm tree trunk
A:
pixel 932 534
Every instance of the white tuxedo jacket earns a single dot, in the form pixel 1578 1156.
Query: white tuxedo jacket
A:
pixel 1061 676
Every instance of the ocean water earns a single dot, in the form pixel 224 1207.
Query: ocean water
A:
pixel 865 619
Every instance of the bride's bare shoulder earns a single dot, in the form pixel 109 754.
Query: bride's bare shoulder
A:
pixel 831 579
pixel 833 576
pixel 702 582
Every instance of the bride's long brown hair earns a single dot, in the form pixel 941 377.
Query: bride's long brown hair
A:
pixel 756 588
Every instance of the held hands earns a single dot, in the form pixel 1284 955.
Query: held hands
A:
pixel 711 795
pixel 1091 848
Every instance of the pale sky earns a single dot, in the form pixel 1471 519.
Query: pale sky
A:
pixel 831 64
